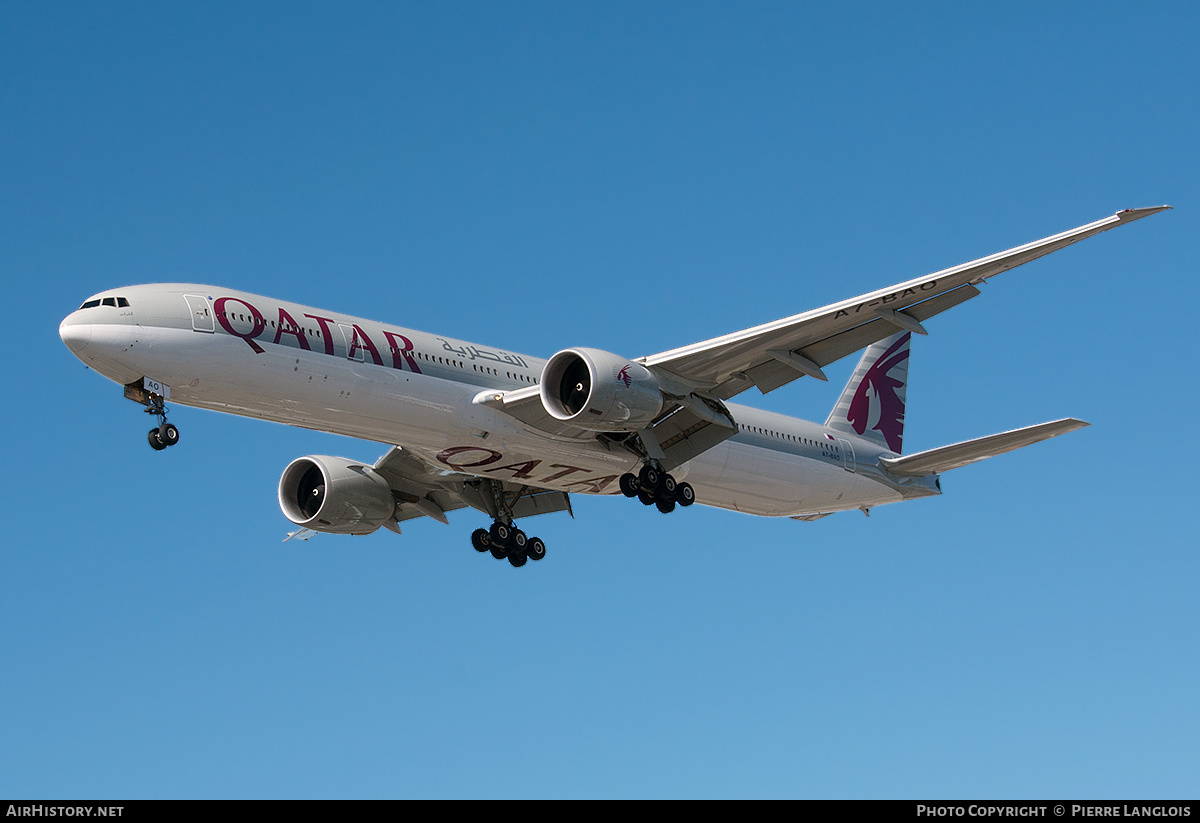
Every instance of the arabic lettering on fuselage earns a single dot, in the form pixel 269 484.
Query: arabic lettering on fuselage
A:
pixel 469 352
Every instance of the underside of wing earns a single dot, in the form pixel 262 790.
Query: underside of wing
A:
pixel 423 490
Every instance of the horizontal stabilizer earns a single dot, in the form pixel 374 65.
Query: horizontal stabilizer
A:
pixel 960 454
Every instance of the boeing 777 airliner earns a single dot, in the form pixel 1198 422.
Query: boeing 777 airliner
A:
pixel 512 435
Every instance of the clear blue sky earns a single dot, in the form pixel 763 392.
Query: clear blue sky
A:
pixel 633 177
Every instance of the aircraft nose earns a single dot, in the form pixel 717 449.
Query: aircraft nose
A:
pixel 75 333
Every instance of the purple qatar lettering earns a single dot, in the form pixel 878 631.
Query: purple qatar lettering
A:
pixel 401 354
pixel 475 457
pixel 454 451
pixel 324 322
pixel 365 344
pixel 288 325
pixel 259 323
pixel 565 471
pixel 517 469
pixel 402 347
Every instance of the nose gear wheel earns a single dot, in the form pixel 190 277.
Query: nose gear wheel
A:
pixel 164 434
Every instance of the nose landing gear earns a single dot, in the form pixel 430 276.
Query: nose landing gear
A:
pixel 152 395
pixel 163 435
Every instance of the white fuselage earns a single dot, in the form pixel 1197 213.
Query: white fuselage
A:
pixel 260 357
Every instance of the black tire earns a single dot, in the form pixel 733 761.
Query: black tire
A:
pixel 665 506
pixel 500 534
pixel 535 549
pixel 646 498
pixel 499 552
pixel 628 484
pixel 517 560
pixel 668 487
pixel 168 434
pixel 685 495
pixel 649 478
pixel 516 542
pixel 481 540
pixel 155 442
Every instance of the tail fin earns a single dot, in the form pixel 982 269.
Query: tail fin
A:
pixel 872 404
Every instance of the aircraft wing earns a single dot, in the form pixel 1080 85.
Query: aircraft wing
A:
pixel 424 490
pixel 774 354
pixel 696 379
pixel 945 458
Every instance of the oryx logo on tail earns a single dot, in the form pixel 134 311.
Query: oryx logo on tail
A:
pixel 872 404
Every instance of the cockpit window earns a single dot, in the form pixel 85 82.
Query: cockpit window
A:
pixel 115 302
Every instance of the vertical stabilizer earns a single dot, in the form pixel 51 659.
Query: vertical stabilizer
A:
pixel 872 404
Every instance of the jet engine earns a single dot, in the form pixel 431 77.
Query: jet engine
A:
pixel 333 494
pixel 599 391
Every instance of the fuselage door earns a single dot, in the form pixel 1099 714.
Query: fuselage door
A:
pixel 847 454
pixel 202 313
pixel 354 346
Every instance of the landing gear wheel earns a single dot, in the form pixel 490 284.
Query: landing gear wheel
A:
pixel 481 540
pixel 628 484
pixel 667 487
pixel 649 478
pixel 666 506
pixel 499 552
pixel 535 549
pixel 517 560
pixel 685 495
pixel 500 534
pixel 517 542
pixel 168 434
pixel 646 498
pixel 156 442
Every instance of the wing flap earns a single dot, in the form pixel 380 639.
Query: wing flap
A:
pixel 945 458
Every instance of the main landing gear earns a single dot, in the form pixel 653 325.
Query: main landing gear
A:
pixel 505 540
pixel 653 486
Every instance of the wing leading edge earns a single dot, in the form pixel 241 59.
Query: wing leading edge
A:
pixel 773 354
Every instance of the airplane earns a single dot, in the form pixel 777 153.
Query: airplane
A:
pixel 513 436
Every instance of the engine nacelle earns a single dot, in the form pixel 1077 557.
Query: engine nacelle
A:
pixel 599 391
pixel 333 494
